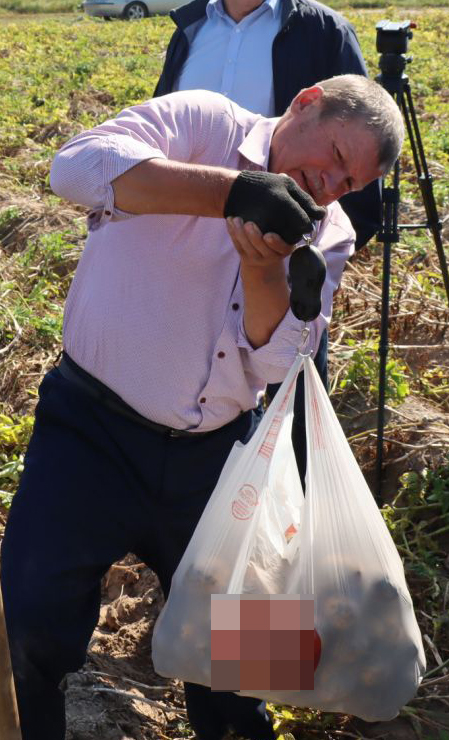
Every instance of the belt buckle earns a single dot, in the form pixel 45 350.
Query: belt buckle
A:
pixel 175 433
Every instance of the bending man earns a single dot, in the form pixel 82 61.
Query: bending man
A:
pixel 172 328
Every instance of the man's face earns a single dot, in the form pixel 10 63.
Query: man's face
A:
pixel 239 9
pixel 326 157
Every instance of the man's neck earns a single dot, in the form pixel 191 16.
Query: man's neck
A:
pixel 238 9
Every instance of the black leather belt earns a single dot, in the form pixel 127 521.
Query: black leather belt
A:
pixel 94 388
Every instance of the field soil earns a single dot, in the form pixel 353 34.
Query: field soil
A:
pixel 119 660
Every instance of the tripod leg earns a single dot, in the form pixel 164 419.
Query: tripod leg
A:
pixel 424 180
pixel 389 235
pixel 398 86
pixel 383 352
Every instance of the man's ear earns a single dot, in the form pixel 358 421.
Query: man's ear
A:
pixel 307 97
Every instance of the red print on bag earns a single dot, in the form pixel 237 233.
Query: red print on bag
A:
pixel 284 403
pixel 269 442
pixel 243 506
pixel 318 436
pixel 267 447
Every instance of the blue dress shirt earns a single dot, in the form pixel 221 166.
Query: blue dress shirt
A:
pixel 231 58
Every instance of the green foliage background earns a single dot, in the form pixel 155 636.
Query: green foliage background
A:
pixel 57 77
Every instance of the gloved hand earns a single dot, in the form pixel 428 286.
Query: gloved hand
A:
pixel 275 203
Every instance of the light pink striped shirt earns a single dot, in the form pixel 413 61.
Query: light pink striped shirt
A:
pixel 156 305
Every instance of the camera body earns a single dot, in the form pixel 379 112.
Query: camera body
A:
pixel 392 38
pixel 392 44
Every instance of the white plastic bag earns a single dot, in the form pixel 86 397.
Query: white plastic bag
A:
pixel 243 542
pixel 258 535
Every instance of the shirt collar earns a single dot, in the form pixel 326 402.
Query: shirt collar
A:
pixel 216 6
pixel 256 145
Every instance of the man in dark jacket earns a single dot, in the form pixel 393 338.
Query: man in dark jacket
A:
pixel 313 43
pixel 290 45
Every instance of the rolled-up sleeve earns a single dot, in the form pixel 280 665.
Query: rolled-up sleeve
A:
pixel 167 128
pixel 85 167
pixel 335 239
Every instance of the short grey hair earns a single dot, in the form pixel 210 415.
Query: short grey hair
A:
pixel 353 96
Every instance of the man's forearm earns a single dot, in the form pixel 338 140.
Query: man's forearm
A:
pixel 162 186
pixel 266 299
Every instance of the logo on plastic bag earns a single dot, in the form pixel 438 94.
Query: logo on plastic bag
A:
pixel 247 499
pixel 267 447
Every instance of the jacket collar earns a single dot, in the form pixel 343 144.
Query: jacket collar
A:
pixel 195 11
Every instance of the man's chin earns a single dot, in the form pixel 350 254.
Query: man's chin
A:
pixel 321 198
pixel 323 201
pixel 301 180
pixel 306 185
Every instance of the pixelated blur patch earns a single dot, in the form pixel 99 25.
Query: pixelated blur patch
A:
pixel 262 642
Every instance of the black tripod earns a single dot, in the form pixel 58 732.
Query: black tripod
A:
pixel 392 39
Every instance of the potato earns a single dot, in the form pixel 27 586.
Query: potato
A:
pixel 384 591
pixel 338 612
pixel 206 581
pixel 374 673
pixel 333 683
pixel 347 650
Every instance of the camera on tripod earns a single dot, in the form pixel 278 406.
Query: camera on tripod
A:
pixel 392 44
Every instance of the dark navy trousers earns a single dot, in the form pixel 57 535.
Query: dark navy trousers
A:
pixel 299 422
pixel 96 486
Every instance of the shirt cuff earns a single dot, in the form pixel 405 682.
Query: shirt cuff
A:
pixel 121 154
pixel 99 216
pixel 273 360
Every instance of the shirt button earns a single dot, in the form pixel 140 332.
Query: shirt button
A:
pixel 235 306
pixel 221 355
pixel 203 400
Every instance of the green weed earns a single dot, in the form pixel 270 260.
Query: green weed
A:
pixel 362 372
pixel 418 520
pixel 96 69
pixel 15 433
pixel 34 305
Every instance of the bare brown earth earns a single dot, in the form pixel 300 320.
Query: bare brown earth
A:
pixel 120 661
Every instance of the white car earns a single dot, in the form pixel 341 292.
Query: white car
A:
pixel 130 10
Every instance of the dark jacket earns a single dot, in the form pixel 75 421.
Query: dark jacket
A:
pixel 314 43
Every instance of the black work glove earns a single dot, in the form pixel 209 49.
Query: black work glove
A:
pixel 274 203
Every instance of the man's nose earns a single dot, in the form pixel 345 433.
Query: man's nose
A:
pixel 336 183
